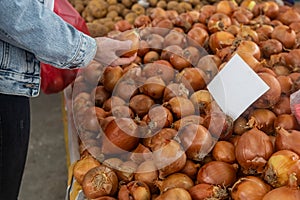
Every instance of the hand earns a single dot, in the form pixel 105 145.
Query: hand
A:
pixel 107 48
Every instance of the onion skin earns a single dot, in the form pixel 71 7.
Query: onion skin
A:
pixel 249 154
pixel 176 180
pixel 159 138
pixel 249 188
pixel 289 140
pixel 283 193
pixel 100 181
pixel 286 121
pixel 141 104
pixel 180 107
pixel 191 169
pixel 175 193
pixel 147 172
pixel 205 191
pixel 217 173
pixel 191 119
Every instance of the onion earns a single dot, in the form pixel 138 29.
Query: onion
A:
pixel 264 32
pixel 197 141
pixel 204 191
pixel 125 89
pixel 169 158
pixel 82 166
pixel 218 22
pixel 175 89
pixel 209 64
pixel 272 96
pixel 201 99
pixel 282 106
pixel 226 7
pixel 262 119
pixel 175 38
pixel 161 68
pixel 285 35
pixel 217 173
pixel 286 121
pixel 270 46
pixel 190 169
pixel 100 181
pixel 175 193
pixel 240 125
pixel 118 131
pixel 125 171
pixel 282 166
pixel 224 151
pixel 122 112
pixel 176 180
pixel 158 117
pixel 191 119
pixel 140 154
pixel 140 104
pixel 249 47
pixel 159 138
pixel 287 139
pixel 219 125
pixel 133 35
pixel 193 79
pixel 249 188
pixel 249 154
pixel 283 193
pixel 153 87
pixel 151 56
pixel 147 173
pixel 180 107
pixel 289 16
pixel 220 39
pixel 135 190
pixel 99 95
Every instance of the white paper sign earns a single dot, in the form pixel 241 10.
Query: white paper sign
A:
pixel 236 87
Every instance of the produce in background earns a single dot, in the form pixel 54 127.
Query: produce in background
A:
pixel 154 125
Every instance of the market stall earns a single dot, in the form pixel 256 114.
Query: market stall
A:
pixel 208 110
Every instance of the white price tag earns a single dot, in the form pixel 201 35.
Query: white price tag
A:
pixel 236 87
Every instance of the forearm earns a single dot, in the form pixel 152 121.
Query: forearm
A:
pixel 31 26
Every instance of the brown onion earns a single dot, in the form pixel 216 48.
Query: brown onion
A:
pixel 159 138
pixel 176 180
pixel 82 166
pixel 175 89
pixel 153 87
pixel 118 131
pixel 217 173
pixel 288 139
pixel 160 68
pixel 282 166
pixel 205 191
pixel 134 190
pixel 219 125
pixel 284 192
pixel 193 79
pixel 240 125
pixel 126 170
pixel 201 99
pixel 249 154
pixel 180 107
pixel 175 193
pixel 218 22
pixel 249 188
pixel 191 119
pixel 140 104
pixel 158 117
pixel 197 141
pixel 282 106
pixel 262 119
pixel 286 121
pixel 147 173
pixel 190 169
pixel 169 158
pixel 270 46
pixel 220 39
pixel 285 35
pixel 272 96
pixel 100 181
pixel 289 16
pixel 224 151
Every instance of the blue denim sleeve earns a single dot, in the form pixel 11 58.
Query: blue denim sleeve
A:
pixel 29 25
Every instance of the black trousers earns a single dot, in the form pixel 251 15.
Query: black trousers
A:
pixel 14 138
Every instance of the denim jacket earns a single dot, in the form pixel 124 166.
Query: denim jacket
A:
pixel 30 33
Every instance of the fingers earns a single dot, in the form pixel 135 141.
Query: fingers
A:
pixel 124 61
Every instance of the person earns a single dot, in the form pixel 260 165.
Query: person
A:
pixel 30 33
